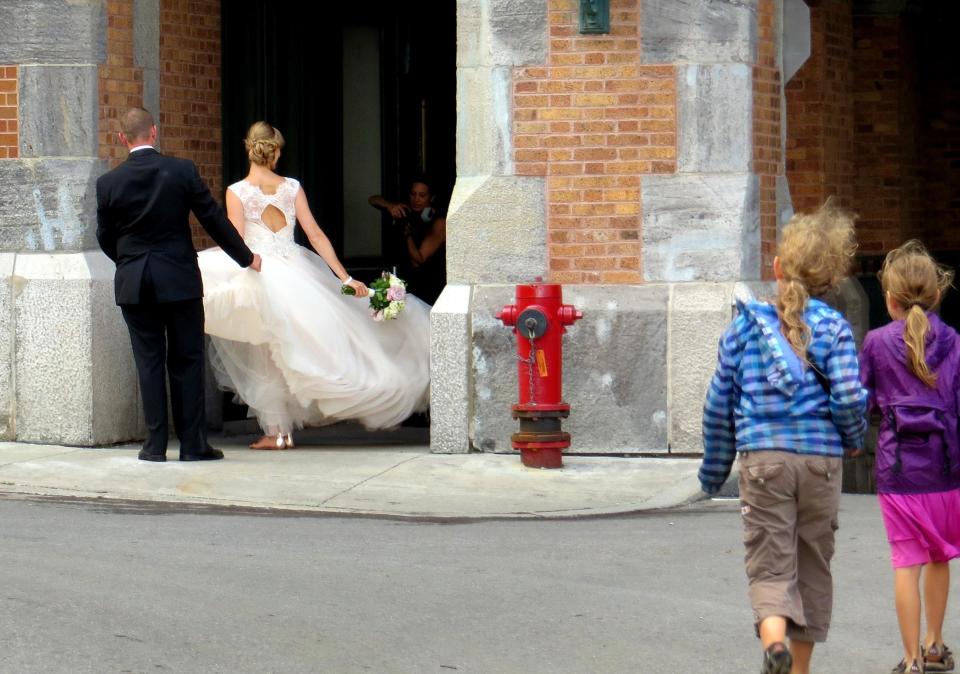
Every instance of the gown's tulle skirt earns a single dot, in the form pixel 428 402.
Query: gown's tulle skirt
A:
pixel 299 353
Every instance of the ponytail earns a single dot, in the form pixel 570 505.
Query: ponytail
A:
pixel 915 283
pixel 915 329
pixel 791 302
pixel 814 255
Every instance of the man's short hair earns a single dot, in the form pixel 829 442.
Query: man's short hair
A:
pixel 136 124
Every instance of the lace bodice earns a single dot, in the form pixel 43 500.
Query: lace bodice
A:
pixel 260 238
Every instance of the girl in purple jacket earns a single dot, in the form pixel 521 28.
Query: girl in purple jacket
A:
pixel 910 368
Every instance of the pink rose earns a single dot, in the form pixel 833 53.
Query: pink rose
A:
pixel 378 315
pixel 396 294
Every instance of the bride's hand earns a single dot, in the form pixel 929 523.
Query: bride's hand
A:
pixel 360 290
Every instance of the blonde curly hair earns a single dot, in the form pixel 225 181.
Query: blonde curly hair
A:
pixel 262 143
pixel 815 253
pixel 915 281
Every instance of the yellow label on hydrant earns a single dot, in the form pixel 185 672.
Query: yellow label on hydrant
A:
pixel 541 363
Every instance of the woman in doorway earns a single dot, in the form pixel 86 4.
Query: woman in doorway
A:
pixel 295 349
pixel 424 242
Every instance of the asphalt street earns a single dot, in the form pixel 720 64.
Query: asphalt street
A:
pixel 161 588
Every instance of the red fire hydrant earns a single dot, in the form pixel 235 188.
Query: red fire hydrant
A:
pixel 539 318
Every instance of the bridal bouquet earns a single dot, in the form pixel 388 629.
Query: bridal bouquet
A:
pixel 387 296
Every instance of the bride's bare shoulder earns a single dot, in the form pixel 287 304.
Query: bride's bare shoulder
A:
pixel 238 187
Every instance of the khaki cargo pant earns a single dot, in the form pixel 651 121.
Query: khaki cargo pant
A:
pixel 789 504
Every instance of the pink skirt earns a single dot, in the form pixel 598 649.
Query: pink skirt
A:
pixel 922 528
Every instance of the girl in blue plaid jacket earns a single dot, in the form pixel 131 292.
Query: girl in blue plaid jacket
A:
pixel 786 397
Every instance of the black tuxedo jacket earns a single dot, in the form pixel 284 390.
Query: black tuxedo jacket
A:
pixel 143 211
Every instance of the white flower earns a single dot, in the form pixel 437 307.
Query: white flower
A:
pixel 392 310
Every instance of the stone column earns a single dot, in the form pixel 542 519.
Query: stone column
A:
pixel 637 366
pixel 496 224
pixel 66 369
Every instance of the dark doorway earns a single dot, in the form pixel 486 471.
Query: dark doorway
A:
pixel 365 96
pixel 907 80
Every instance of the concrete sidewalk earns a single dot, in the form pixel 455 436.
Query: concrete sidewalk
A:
pixel 404 481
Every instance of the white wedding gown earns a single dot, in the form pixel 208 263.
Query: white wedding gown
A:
pixel 296 350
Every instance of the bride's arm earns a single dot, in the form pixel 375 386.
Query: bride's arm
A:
pixel 235 211
pixel 322 244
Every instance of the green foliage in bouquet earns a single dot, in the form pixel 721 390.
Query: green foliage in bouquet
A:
pixel 387 296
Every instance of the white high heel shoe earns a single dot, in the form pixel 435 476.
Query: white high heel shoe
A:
pixel 270 442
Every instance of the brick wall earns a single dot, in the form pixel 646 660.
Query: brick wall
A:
pixel 884 141
pixel 121 82
pixel 190 102
pixel 9 117
pixel 905 141
pixel 593 121
pixel 820 157
pixel 767 159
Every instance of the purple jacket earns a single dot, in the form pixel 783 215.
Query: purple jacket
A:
pixel 917 448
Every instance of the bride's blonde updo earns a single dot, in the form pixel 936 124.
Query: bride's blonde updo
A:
pixel 262 143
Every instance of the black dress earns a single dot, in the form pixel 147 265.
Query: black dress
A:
pixel 427 280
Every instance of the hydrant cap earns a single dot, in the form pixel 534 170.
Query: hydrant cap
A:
pixel 540 291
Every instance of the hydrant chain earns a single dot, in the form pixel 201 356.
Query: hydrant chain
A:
pixel 531 363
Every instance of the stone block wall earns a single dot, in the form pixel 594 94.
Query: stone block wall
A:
pixel 66 371
pixel 653 155
pixel 7 392
pixel 74 374
pixel 702 222
pixel 49 110
pixel 636 367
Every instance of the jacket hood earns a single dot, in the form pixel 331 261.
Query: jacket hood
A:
pixel 764 318
pixel 938 343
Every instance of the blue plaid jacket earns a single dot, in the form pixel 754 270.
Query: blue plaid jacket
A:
pixel 755 403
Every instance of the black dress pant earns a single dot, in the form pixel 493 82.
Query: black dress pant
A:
pixel 168 337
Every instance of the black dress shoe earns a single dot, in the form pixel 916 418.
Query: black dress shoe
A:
pixel 144 455
pixel 209 454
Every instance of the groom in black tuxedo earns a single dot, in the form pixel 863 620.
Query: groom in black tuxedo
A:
pixel 143 209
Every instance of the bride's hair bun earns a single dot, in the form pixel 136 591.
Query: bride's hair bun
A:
pixel 262 143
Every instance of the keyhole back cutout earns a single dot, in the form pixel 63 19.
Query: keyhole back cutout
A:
pixel 273 218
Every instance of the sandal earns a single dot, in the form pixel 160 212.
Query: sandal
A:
pixel 937 658
pixel 915 668
pixel 777 659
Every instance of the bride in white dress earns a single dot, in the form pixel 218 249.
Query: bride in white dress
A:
pixel 294 348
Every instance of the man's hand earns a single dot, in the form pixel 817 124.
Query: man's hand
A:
pixel 255 265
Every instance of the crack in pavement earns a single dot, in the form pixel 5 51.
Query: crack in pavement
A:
pixel 367 479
